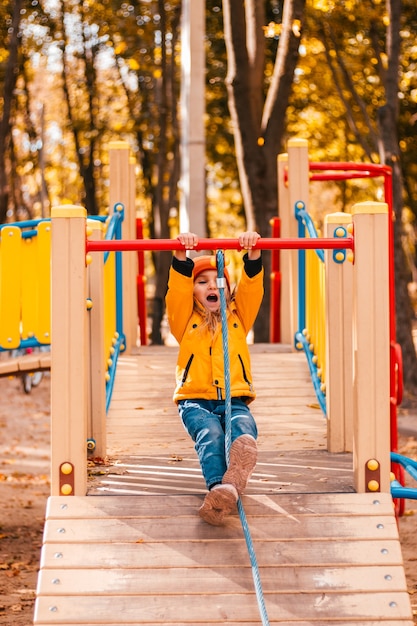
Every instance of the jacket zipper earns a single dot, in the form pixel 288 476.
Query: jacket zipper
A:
pixel 187 369
pixel 245 378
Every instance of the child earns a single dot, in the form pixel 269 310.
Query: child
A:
pixel 193 307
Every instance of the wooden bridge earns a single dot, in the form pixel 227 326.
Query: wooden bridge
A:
pixel 134 550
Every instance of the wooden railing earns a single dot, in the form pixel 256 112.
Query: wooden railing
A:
pixel 358 314
pixel 369 328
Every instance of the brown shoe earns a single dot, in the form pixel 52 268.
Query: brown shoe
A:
pixel 243 455
pixel 218 503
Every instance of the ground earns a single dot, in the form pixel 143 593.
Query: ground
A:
pixel 24 488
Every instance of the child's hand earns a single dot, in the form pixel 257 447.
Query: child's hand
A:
pixel 247 241
pixel 189 241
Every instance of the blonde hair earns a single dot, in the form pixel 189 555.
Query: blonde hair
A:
pixel 211 319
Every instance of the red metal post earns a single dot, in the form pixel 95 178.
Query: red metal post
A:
pixel 275 303
pixel 140 286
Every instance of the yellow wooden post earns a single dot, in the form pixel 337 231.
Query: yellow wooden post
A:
pixel 69 353
pixel 122 181
pixel 97 359
pixel 371 347
pixel 339 357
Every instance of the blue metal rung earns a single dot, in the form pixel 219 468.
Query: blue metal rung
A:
pixel 410 466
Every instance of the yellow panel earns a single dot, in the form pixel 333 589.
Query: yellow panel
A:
pixel 109 303
pixel 43 329
pixel 30 278
pixel 315 308
pixel 10 287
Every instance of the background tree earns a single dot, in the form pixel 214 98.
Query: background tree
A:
pixel 388 117
pixel 79 60
pixel 23 27
pixel 258 119
pixel 146 45
pixel 10 24
pixel 361 98
pixel 77 74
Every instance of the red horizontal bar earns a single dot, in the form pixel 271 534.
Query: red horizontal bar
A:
pixel 378 169
pixel 344 175
pixel 345 171
pixel 222 244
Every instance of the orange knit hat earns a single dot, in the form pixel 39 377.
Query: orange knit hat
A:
pixel 206 262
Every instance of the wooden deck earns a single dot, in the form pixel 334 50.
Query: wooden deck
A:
pixel 134 551
pixel 34 362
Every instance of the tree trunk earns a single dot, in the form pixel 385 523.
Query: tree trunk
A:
pixel 11 74
pixel 259 131
pixel 168 173
pixel 388 121
pixel 403 307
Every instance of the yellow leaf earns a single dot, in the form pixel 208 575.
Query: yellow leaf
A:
pixel 133 64
pixel 120 48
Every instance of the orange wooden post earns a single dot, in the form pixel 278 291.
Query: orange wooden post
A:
pixel 371 348
pixel 339 337
pixel 69 353
pixel 293 186
pixel 121 184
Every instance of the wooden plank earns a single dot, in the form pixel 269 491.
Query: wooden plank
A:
pixel 331 553
pixel 178 472
pixel 205 609
pixel 97 507
pixel 325 558
pixel 278 377
pixel 230 579
pixel 191 526
pixel 351 622
pixel 293 401
pixel 26 363
pixel 131 400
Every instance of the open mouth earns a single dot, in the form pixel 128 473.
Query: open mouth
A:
pixel 212 298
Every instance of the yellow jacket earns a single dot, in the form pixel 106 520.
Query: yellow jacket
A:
pixel 200 368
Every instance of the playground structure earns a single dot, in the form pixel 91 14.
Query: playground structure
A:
pixel 356 410
pixel 88 335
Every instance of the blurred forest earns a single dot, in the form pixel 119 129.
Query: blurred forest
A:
pixel 78 74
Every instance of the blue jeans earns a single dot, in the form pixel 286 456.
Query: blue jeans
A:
pixel 204 420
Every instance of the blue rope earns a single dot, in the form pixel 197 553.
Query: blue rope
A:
pixel 221 283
